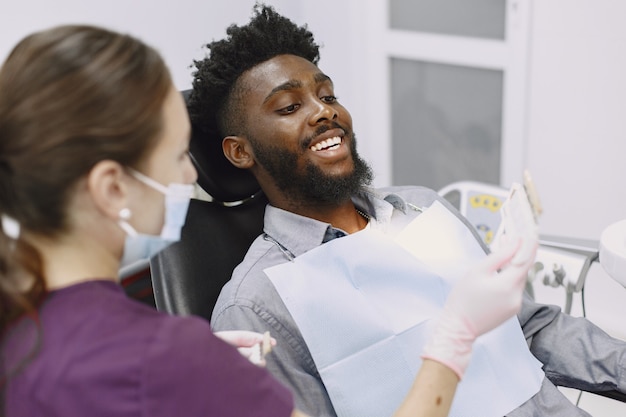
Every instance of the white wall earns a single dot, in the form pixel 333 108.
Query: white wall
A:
pixel 577 128
pixel 178 29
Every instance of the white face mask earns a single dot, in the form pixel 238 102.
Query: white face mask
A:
pixel 138 246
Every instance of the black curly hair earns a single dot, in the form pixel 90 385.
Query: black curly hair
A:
pixel 212 103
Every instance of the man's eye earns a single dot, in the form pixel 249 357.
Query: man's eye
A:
pixel 329 99
pixel 289 109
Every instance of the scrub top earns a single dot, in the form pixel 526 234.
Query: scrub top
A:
pixel 92 351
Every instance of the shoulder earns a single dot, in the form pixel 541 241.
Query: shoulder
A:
pixel 409 195
pixel 422 198
pixel 249 301
pixel 249 292
pixel 248 283
pixel 415 194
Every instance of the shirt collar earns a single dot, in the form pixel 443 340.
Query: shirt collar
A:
pixel 299 234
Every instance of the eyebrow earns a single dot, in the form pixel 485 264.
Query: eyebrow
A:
pixel 294 84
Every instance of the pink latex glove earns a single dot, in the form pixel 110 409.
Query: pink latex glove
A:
pixel 479 302
pixel 248 343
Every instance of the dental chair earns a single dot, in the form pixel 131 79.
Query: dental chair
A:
pixel 188 276
pixel 137 283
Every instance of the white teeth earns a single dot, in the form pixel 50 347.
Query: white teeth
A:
pixel 327 144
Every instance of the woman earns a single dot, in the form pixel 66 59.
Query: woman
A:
pixel 92 135
pixel 95 174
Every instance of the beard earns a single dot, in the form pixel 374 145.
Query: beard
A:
pixel 311 185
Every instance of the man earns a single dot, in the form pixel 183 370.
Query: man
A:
pixel 261 94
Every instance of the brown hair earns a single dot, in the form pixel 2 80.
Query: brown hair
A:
pixel 70 97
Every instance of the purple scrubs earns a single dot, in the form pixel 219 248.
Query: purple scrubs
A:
pixel 103 354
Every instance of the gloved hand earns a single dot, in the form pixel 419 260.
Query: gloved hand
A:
pixel 249 344
pixel 479 302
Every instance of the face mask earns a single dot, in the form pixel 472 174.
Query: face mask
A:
pixel 141 247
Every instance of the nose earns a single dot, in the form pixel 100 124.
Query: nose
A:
pixel 323 111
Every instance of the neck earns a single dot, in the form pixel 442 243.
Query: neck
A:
pixel 71 261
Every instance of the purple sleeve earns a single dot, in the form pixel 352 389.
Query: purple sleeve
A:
pixel 190 372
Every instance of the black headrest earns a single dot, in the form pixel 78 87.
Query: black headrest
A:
pixel 216 175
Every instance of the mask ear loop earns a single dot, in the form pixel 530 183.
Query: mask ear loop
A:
pixel 124 215
pixel 149 181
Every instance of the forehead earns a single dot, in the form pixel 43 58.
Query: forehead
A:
pixel 283 72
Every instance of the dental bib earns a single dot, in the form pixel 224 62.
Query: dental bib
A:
pixel 366 303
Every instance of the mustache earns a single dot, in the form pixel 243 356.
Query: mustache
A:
pixel 306 143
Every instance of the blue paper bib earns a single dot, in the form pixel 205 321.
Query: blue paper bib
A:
pixel 365 305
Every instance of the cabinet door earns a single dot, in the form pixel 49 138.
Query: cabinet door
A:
pixel 453 76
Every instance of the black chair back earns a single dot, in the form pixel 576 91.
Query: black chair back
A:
pixel 188 276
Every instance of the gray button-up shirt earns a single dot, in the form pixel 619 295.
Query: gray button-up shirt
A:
pixel 575 353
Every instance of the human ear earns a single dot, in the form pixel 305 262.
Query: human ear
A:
pixel 107 189
pixel 238 151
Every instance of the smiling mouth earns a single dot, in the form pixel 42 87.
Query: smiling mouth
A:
pixel 327 144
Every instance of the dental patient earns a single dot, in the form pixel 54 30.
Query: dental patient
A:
pixel 352 280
